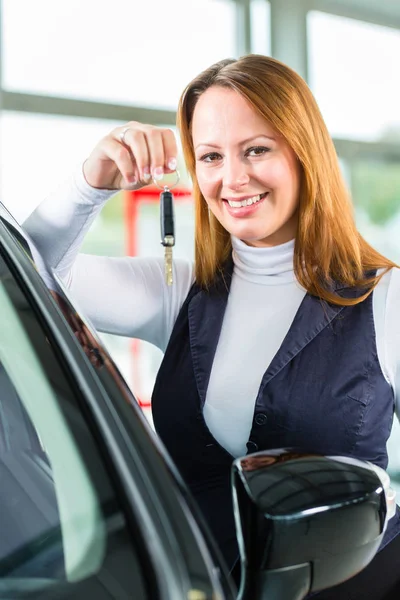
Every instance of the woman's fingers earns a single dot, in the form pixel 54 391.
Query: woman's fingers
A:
pixel 130 156
pixel 170 150
pixel 156 153
pixel 135 142
pixel 153 148
pixel 123 159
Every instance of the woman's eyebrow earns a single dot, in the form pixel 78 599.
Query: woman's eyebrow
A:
pixel 241 143
pixel 256 137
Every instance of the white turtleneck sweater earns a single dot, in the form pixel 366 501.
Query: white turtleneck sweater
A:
pixel 263 300
pixel 128 296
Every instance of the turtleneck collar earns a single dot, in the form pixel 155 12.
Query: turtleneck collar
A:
pixel 266 266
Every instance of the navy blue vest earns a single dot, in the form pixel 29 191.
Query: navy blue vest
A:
pixel 323 392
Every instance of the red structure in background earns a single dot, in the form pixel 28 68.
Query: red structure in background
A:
pixel 132 202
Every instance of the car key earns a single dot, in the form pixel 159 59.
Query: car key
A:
pixel 167 230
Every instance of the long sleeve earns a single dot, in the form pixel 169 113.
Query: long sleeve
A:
pixel 125 296
pixel 392 334
pixel 387 325
pixel 59 224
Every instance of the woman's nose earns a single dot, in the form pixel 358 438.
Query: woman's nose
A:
pixel 235 174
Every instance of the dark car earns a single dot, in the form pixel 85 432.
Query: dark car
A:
pixel 91 506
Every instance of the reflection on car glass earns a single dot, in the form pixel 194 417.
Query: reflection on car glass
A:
pixel 91 347
pixel 68 517
pixel 27 487
pixel 63 532
pixel 91 344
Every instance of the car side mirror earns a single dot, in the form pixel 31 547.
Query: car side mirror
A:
pixel 304 522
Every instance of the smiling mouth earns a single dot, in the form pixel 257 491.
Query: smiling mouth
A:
pixel 246 201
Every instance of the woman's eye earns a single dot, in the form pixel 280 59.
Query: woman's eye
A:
pixel 257 151
pixel 210 157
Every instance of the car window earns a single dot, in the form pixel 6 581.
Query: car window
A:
pixel 63 533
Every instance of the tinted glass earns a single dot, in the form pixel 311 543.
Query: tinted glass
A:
pixel 63 533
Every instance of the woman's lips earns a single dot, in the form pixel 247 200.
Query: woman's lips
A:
pixel 244 211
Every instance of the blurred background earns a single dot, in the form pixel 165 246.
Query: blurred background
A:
pixel 72 70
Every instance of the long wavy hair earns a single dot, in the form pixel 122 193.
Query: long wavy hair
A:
pixel 328 248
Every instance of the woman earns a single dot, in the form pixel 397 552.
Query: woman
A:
pixel 285 332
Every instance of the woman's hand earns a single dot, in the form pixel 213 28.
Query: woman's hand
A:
pixel 130 157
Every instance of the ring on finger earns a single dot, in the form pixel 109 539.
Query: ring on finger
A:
pixel 122 135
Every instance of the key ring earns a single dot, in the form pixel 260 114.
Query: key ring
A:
pixel 168 187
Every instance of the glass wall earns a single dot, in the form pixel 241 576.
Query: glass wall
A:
pixel 376 193
pixel 140 53
pixel 353 72
pixel 37 153
pixel 260 23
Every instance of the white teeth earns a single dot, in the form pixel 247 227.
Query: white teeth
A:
pixel 246 202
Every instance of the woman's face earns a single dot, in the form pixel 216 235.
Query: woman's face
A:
pixel 247 173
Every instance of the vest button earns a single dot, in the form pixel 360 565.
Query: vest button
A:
pixel 261 419
pixel 251 447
